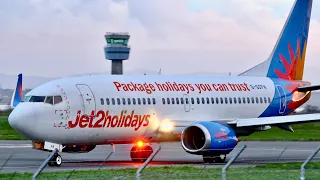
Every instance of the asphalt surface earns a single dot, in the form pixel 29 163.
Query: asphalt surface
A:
pixel 18 156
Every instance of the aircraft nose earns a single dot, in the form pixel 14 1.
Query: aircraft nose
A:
pixel 22 120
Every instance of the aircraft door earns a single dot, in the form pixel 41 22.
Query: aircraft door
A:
pixel 187 103
pixel 89 104
pixel 282 99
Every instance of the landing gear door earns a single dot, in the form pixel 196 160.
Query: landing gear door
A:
pixel 282 99
pixel 89 104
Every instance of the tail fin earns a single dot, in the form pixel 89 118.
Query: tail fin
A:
pixel 288 56
pixel 17 93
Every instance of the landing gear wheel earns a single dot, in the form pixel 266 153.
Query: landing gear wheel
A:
pixel 208 159
pixel 140 154
pixel 221 159
pixel 56 160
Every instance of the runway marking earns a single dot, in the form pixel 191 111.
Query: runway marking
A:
pixel 10 146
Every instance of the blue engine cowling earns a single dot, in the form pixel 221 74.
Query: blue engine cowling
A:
pixel 208 138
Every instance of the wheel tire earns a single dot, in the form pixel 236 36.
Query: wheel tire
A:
pixel 58 160
pixel 140 154
pixel 208 159
pixel 221 159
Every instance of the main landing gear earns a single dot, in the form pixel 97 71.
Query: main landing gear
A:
pixel 56 160
pixel 214 158
pixel 140 152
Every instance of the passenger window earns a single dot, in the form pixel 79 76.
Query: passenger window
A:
pixel 107 101
pixel 208 100
pixel 123 101
pixel 163 101
pixel 149 101
pixel 182 101
pixel 134 101
pixel 49 100
pixel 217 100
pixel 265 100
pixel 230 100
pixel 212 100
pixel 252 100
pixel 202 100
pixel 269 100
pixel 118 100
pixel 57 99
pixel 248 100
pixel 102 101
pixel 235 100
pixel 113 101
pixel 143 101
pixel 257 100
pixel 187 101
pixel 154 100
pixel 221 100
pixel 172 99
pixel 139 101
pixel 226 100
pixel 192 100
pixel 129 101
pixel 168 100
pixel 239 100
pixel 261 101
pixel 198 100
pixel 177 100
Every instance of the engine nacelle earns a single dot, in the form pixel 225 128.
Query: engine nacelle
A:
pixel 78 148
pixel 208 138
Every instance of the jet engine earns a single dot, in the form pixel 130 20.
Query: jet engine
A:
pixel 205 138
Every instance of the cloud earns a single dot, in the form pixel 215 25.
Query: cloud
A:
pixel 55 38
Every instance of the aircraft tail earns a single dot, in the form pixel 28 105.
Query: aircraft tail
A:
pixel 17 93
pixel 288 56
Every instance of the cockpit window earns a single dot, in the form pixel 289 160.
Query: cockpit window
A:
pixel 37 99
pixel 49 100
pixel 57 99
pixel 26 99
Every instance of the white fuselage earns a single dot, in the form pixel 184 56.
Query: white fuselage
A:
pixel 104 99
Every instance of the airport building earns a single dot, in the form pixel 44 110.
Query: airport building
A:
pixel 117 50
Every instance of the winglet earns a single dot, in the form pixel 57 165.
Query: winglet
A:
pixel 17 93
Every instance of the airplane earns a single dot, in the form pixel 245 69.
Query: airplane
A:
pixel 207 114
pixel 16 96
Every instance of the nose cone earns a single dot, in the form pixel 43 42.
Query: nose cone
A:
pixel 22 120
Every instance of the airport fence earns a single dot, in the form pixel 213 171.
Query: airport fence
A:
pixel 170 162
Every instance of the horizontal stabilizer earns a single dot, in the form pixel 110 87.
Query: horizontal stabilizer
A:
pixel 308 88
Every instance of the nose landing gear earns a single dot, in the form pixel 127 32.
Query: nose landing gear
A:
pixel 56 160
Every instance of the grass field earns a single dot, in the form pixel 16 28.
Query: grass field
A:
pixel 273 171
pixel 303 132
pixel 7 133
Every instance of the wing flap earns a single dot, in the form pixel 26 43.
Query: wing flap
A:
pixel 291 119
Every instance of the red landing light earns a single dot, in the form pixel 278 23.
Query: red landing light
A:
pixel 140 144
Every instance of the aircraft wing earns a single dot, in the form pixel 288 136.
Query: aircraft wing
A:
pixel 276 120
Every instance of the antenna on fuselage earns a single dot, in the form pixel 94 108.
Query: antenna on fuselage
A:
pixel 159 71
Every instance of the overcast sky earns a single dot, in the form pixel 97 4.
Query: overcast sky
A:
pixel 56 38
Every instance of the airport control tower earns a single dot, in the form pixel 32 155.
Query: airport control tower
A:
pixel 117 50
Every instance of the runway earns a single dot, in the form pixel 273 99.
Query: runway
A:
pixel 21 158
